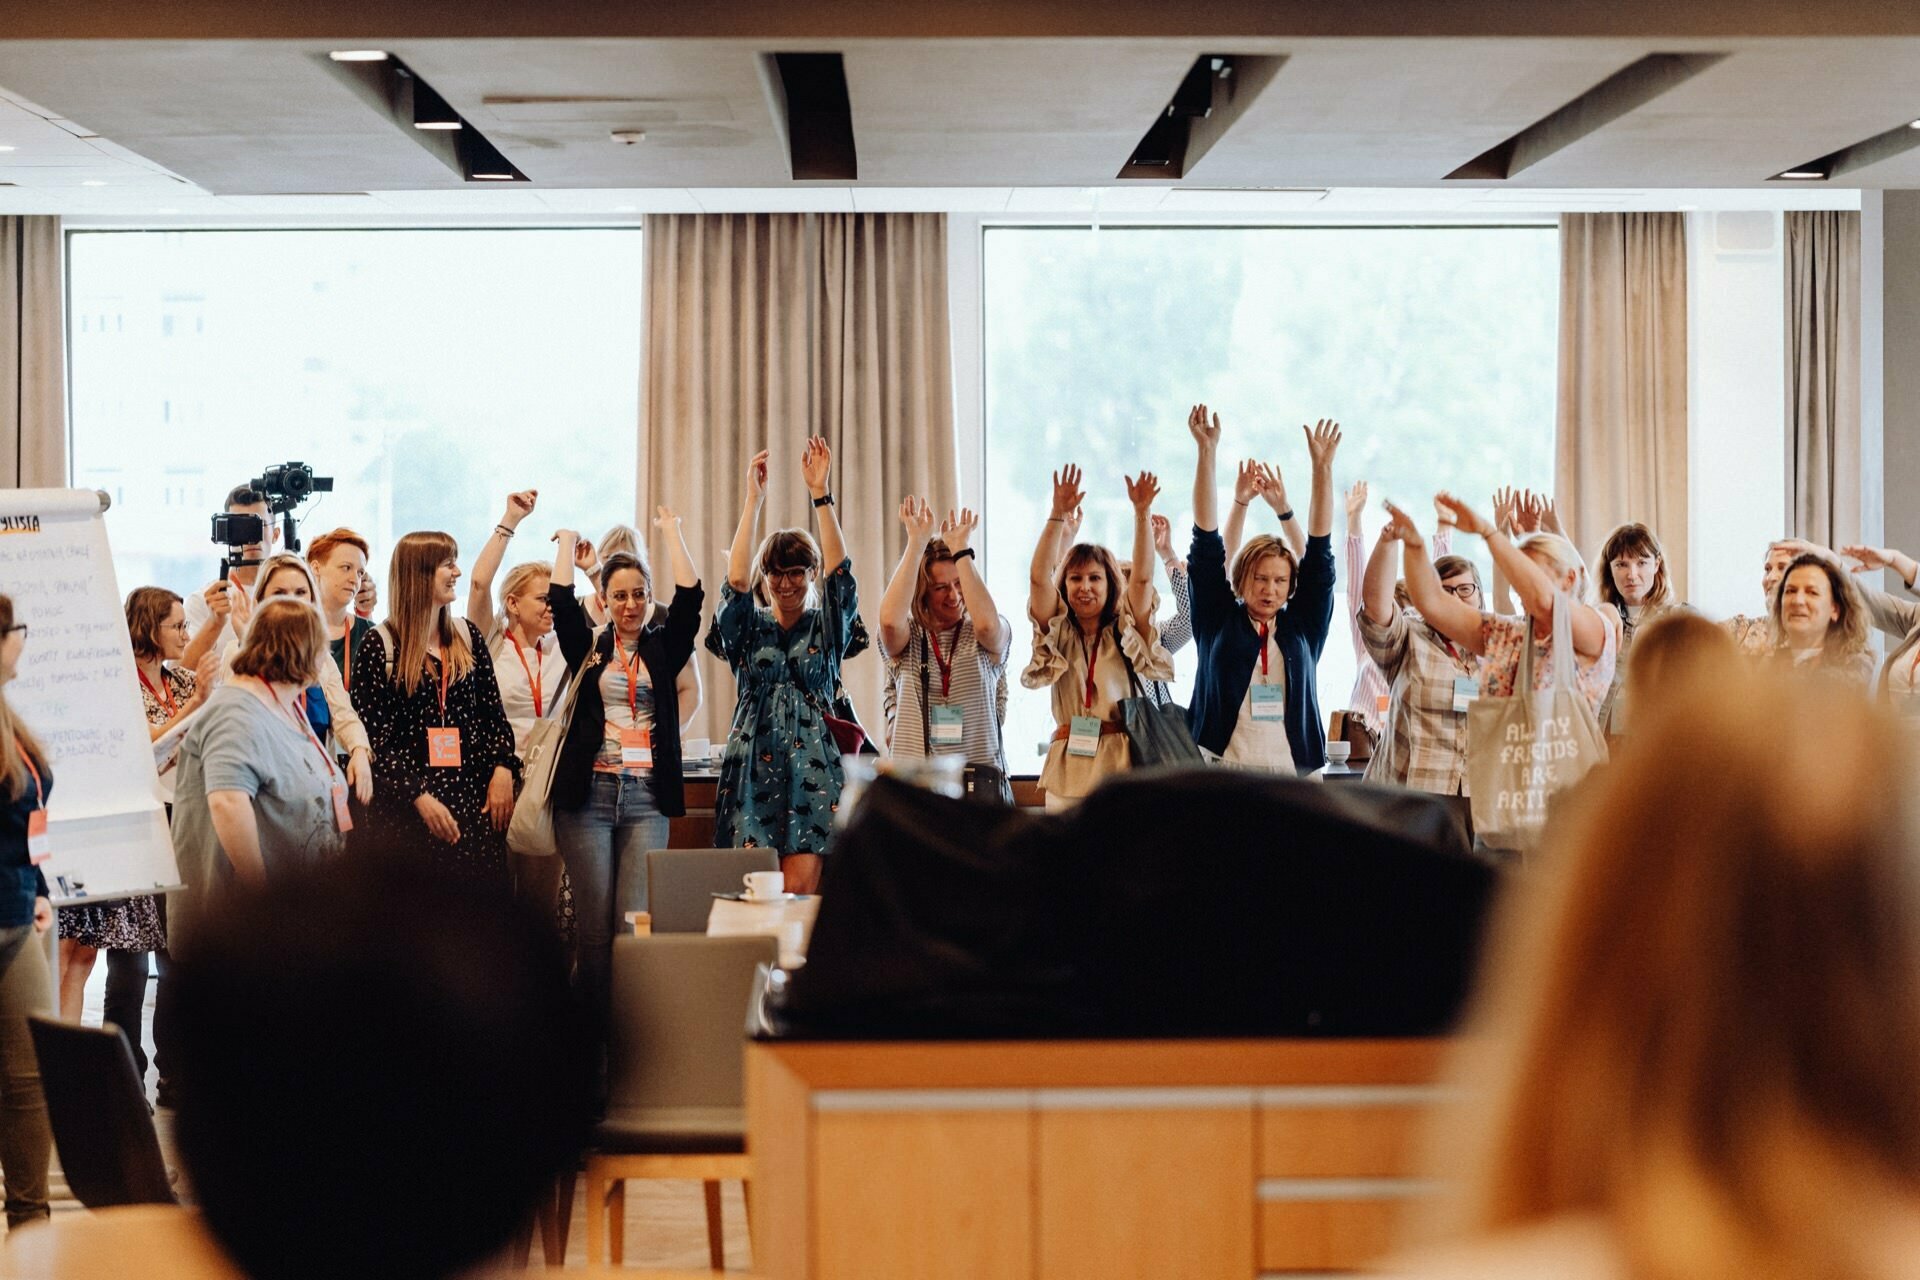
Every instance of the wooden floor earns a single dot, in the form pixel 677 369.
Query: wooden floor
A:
pixel 666 1221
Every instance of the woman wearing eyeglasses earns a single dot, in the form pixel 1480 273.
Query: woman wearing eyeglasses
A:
pixel 617 781
pixel 784 628
pixel 442 747
pixel 26 781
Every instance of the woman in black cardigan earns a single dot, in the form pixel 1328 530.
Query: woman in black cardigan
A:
pixel 617 780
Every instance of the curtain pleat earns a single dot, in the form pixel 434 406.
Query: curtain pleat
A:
pixel 33 378
pixel 1823 376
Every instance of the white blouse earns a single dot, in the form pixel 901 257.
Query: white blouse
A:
pixel 513 664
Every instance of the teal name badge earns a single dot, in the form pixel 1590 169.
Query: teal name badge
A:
pixel 1269 702
pixel 947 726
pixel 1083 736
pixel 1465 690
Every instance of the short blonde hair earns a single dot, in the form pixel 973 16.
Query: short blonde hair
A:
pixel 517 579
pixel 1565 558
pixel 1256 549
pixel 1703 1019
pixel 284 643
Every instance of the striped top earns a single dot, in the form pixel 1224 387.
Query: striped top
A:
pixel 979 689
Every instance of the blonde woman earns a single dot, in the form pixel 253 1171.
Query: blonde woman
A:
pixel 1697 1053
pixel 26 783
pixel 443 749
pixel 327 705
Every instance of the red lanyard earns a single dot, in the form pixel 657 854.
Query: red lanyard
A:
pixel 1093 659
pixel 443 687
pixel 533 680
pixel 1451 651
pixel 306 727
pixel 1263 652
pixel 633 677
pixel 946 666
pixel 163 695
pixel 39 791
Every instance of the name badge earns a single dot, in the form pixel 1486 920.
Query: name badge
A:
pixel 636 748
pixel 39 846
pixel 1465 690
pixel 947 726
pixel 1083 736
pixel 1269 702
pixel 443 748
pixel 342 818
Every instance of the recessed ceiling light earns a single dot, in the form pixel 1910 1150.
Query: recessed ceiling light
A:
pixel 492 177
pixel 358 55
pixel 1914 125
pixel 1803 175
pixel 93 182
pixel 436 124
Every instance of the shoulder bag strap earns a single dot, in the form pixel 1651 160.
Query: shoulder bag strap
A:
pixel 926 728
pixel 1133 679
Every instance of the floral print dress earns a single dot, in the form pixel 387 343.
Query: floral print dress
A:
pixel 780 781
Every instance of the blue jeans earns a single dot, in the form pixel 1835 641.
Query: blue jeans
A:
pixel 604 845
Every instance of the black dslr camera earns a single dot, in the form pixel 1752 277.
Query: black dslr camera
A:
pixel 283 486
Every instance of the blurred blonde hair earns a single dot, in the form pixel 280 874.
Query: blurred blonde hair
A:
pixel 275 564
pixel 1702 1022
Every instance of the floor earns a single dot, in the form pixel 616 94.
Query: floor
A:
pixel 666 1221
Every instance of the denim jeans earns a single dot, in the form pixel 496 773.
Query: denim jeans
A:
pixel 604 845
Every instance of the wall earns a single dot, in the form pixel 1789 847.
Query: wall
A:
pixel 1890 359
pixel 1736 348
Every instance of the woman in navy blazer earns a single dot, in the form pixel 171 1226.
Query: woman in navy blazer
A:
pixel 1260 631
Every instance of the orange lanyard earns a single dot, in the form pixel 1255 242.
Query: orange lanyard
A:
pixel 443 688
pixel 346 653
pixel 1093 659
pixel 946 664
pixel 39 791
pixel 633 677
pixel 533 679
pixel 163 695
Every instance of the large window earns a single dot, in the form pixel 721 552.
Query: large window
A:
pixel 428 372
pixel 1433 346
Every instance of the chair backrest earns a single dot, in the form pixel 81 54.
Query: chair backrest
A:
pixel 679 1019
pixel 101 1126
pixel 681 883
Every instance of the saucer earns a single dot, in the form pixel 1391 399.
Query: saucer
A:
pixel 778 897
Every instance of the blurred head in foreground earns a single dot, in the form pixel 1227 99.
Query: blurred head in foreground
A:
pixel 1671 653
pixel 1702 1021
pixel 378 1074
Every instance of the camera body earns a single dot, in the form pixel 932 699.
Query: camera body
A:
pixel 284 486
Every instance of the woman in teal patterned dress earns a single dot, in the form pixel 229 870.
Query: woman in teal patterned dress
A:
pixel 780 781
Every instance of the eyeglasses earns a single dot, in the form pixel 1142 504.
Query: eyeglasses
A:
pixel 1461 590
pixel 181 627
pixel 21 627
pixel 639 595
pixel 788 575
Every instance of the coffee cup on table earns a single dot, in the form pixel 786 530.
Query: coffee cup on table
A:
pixel 1337 752
pixel 763 886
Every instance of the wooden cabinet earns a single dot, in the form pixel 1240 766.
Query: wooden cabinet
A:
pixel 1061 1160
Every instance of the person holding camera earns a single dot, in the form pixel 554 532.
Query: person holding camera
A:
pixel 217 613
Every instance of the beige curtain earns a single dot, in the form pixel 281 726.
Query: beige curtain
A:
pixel 1621 440
pixel 33 378
pixel 1823 376
pixel 763 329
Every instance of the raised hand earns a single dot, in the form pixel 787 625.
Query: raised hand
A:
pixel 1246 482
pixel 957 529
pixel 916 517
pixel 1143 491
pixel 757 476
pixel 1067 494
pixel 1550 516
pixel 1273 487
pixel 217 598
pixel 1356 501
pixel 1870 558
pixel 585 555
pixel 1400 525
pixel 1162 536
pixel 519 507
pixel 1072 519
pixel 1529 511
pixel 1506 508
pixel 1207 437
pixel 1323 439
pixel 816 461
pixel 242 609
pixel 664 519
pixel 1460 515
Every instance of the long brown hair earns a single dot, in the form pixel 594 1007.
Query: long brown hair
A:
pixel 1634 540
pixel 14 734
pixel 1847 634
pixel 1703 1020
pixel 416 621
pixel 937 552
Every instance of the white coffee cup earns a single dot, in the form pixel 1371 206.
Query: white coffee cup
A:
pixel 1337 752
pixel 697 749
pixel 763 886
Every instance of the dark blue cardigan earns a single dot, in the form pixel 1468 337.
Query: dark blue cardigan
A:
pixel 1229 646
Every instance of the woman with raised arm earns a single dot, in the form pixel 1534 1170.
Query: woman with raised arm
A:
pixel 1260 631
pixel 1423 744
pixel 945 643
pixel 1544 569
pixel 1897 617
pixel 785 614
pixel 1258 479
pixel 617 780
pixel 1370 694
pixel 1822 621
pixel 1094 642
pixel 443 750
pixel 492 552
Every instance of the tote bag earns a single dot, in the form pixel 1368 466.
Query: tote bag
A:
pixel 1523 749
pixel 530 831
pixel 1157 732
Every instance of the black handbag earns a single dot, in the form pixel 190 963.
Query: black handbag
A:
pixel 1157 730
pixel 985 783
